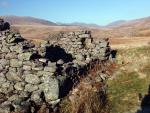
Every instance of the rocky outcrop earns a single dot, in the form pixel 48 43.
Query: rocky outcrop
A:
pixel 45 72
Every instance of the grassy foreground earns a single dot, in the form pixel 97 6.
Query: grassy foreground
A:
pixel 130 80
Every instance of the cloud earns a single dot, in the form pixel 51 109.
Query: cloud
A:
pixel 4 4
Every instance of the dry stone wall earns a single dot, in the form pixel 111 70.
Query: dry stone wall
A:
pixel 46 71
pixel 81 45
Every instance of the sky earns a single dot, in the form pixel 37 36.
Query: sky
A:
pixel 99 12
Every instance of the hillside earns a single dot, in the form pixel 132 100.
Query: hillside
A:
pixel 26 20
pixel 87 25
pixel 18 20
pixel 142 22
pixel 116 23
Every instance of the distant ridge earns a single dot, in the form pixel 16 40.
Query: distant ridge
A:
pixel 116 23
pixel 136 23
pixel 25 20
pixel 84 25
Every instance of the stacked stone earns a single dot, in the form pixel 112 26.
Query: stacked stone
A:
pixel 27 74
pixel 82 46
pixel 22 75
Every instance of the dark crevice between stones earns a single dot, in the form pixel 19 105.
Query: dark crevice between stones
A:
pixel 73 77
pixel 33 105
pixel 83 41
pixel 35 56
pixel 83 70
pixel 69 82
pixel 54 53
pixel 27 46
pixel 71 71
pixel 12 108
pixel 3 97
pixel 66 87
pixel 113 53
pixel 17 40
pixel 42 96
pixel 59 70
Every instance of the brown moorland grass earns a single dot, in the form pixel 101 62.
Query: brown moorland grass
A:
pixel 89 96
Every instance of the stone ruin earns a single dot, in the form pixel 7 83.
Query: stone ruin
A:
pixel 45 71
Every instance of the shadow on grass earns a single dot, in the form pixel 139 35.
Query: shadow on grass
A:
pixel 145 104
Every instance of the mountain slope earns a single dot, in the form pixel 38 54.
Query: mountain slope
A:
pixel 116 23
pixel 33 27
pixel 17 20
pixel 142 22
pixel 85 25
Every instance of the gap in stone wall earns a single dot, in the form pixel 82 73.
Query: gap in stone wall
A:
pixel 55 53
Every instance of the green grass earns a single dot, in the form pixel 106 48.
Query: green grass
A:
pixel 124 89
